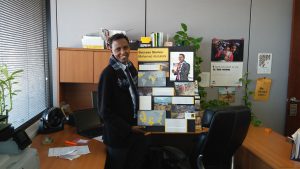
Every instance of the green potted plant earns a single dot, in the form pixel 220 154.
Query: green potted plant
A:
pixel 182 38
pixel 7 81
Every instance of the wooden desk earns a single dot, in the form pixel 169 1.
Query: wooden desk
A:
pixel 262 150
pixel 94 160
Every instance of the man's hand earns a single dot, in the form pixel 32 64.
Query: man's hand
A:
pixel 137 129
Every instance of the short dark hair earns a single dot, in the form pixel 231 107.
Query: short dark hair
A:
pixel 182 55
pixel 117 37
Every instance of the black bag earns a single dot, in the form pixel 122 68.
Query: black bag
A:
pixel 167 158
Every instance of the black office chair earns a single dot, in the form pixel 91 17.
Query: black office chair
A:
pixel 228 128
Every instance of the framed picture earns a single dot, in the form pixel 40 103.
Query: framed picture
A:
pixel 181 66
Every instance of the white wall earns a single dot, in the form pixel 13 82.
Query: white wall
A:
pixel 207 18
pixel 270 32
pixel 77 17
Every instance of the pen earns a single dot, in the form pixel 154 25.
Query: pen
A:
pixel 70 143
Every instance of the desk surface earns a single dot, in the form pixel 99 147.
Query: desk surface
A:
pixel 272 148
pixel 93 160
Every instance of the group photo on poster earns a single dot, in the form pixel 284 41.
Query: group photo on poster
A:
pixel 226 62
pixel 227 50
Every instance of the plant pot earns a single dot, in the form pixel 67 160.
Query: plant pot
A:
pixel 6 131
pixel 3 119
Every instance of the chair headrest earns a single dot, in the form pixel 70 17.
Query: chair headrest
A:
pixel 207 117
pixel 209 113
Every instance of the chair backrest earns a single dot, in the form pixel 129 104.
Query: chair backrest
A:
pixel 95 99
pixel 228 128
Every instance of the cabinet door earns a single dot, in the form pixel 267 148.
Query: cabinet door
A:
pixel 76 66
pixel 101 60
pixel 134 58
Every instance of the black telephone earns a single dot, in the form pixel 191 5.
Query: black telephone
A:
pixel 52 120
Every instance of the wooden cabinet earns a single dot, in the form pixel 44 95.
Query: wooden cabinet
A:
pixel 78 73
pixel 101 60
pixel 76 66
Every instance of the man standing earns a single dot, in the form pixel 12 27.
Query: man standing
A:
pixel 118 105
pixel 182 69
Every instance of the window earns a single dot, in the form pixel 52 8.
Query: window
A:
pixel 23 45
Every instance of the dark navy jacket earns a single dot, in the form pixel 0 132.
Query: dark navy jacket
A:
pixel 116 108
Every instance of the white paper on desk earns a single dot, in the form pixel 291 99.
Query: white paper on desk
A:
pixel 183 100
pixel 163 91
pixel 145 103
pixel 70 156
pixel 98 138
pixel 296 138
pixel 176 125
pixel 60 151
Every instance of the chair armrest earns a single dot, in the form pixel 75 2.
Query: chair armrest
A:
pixel 199 162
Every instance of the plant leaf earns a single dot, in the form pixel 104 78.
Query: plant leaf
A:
pixel 181 33
pixel 184 27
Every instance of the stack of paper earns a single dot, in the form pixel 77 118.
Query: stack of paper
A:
pixel 296 146
pixel 92 42
pixel 69 153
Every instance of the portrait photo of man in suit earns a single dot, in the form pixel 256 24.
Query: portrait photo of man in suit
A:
pixel 181 66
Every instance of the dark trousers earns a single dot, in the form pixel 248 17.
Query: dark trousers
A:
pixel 131 157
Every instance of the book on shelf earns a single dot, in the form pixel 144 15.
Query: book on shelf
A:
pixel 157 39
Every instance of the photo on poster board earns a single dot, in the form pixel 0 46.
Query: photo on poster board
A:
pixel 197 104
pixel 227 94
pixel 181 66
pixel 186 88
pixel 145 91
pixel 226 62
pixel 151 118
pixel 151 78
pixel 162 103
pixel 178 111
pixel 159 66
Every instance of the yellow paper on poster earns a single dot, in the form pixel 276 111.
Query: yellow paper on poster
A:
pixel 153 54
pixel 262 90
